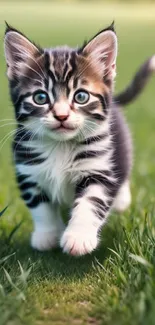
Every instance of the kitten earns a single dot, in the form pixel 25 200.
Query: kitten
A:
pixel 72 146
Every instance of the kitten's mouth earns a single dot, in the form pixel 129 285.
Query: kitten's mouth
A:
pixel 61 128
pixel 64 128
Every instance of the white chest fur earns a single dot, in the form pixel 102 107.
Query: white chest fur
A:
pixel 60 171
pixel 57 172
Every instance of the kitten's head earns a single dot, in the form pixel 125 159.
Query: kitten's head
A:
pixel 62 93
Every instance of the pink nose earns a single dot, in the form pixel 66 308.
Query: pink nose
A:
pixel 61 117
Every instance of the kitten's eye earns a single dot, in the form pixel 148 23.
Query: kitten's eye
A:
pixel 41 98
pixel 81 97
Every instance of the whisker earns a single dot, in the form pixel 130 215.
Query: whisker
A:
pixel 7 124
pixel 7 119
pixel 31 139
pixel 28 130
pixel 6 137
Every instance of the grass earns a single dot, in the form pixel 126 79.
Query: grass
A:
pixel 116 284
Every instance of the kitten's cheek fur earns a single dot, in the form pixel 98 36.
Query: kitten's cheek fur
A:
pixel 79 241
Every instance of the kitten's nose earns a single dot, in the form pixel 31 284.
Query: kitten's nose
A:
pixel 61 110
pixel 61 117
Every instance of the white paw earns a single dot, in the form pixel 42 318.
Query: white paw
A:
pixel 43 241
pixel 78 242
pixel 123 199
pixel 122 204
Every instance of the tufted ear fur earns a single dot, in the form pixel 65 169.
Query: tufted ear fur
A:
pixel 18 51
pixel 102 51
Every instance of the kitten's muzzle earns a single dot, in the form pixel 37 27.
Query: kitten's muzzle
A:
pixel 63 126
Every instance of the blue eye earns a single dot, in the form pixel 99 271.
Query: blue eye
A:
pixel 81 97
pixel 41 98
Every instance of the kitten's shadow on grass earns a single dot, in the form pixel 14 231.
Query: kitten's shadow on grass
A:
pixel 55 264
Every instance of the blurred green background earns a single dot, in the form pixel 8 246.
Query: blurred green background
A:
pixel 51 23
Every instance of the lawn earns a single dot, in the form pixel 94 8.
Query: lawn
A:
pixel 116 284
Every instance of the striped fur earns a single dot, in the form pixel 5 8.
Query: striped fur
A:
pixel 66 152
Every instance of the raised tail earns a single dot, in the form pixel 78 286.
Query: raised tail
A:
pixel 137 84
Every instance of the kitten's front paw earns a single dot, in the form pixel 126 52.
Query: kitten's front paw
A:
pixel 78 242
pixel 43 241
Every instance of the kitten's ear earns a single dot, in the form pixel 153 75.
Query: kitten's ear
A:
pixel 102 51
pixel 18 50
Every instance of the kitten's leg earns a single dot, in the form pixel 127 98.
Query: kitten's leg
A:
pixel 123 198
pixel 89 213
pixel 48 225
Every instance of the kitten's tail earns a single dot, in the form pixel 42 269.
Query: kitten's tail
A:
pixel 137 84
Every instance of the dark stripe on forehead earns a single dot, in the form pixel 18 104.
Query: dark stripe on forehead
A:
pixel 67 62
pixel 75 82
pixel 51 75
pixel 65 66
pixel 47 61
pixel 47 67
pixel 73 66
pixel 72 63
pixel 65 70
pixel 55 59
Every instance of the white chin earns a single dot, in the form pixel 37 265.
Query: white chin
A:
pixel 63 135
